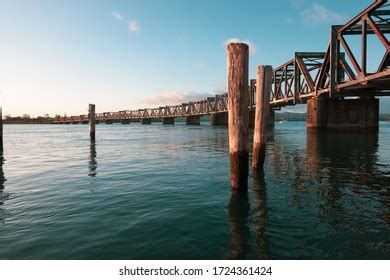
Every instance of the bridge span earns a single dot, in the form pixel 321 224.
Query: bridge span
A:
pixel 323 80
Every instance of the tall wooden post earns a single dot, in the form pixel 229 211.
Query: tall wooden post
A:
pixel 263 92
pixel 1 129
pixel 92 121
pixel 238 100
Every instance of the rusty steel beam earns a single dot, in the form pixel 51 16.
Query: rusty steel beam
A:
pixel 377 4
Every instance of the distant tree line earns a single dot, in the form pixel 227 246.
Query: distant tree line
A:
pixel 46 119
pixel 27 119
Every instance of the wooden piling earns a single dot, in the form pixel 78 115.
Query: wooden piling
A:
pixel 238 117
pixel 92 121
pixel 1 130
pixel 263 92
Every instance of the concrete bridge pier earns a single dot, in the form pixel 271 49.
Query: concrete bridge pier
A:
pixel 219 119
pixel 168 120
pixel 360 114
pixel 193 120
pixel 146 121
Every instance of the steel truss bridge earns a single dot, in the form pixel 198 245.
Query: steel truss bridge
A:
pixel 341 71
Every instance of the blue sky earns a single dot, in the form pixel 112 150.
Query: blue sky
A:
pixel 58 56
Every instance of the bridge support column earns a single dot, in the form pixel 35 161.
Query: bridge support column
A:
pixel 1 130
pixel 168 120
pixel 343 114
pixel 219 119
pixel 193 120
pixel 316 114
pixel 109 122
pixel 125 121
pixel 146 121
pixel 263 92
pixel 238 102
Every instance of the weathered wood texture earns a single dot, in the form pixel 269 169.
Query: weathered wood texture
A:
pixel 263 93
pixel 92 121
pixel 238 103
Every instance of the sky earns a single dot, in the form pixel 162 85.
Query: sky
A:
pixel 56 57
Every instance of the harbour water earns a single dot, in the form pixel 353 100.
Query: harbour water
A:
pixel 162 192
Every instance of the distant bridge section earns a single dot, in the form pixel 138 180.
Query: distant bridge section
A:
pixel 320 79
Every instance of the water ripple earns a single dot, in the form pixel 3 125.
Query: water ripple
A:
pixel 162 192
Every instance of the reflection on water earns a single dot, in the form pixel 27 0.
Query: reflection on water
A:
pixel 163 192
pixel 240 211
pixel 239 208
pixel 329 199
pixel 2 178
pixel 3 195
pixel 341 171
pixel 347 164
pixel 92 159
pixel 260 213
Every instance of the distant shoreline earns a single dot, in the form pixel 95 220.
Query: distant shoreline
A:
pixel 286 116
pixel 19 120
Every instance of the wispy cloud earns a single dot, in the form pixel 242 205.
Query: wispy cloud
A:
pixel 117 16
pixel 297 3
pixel 172 98
pixel 132 25
pixel 318 14
pixel 199 66
pixel 252 46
